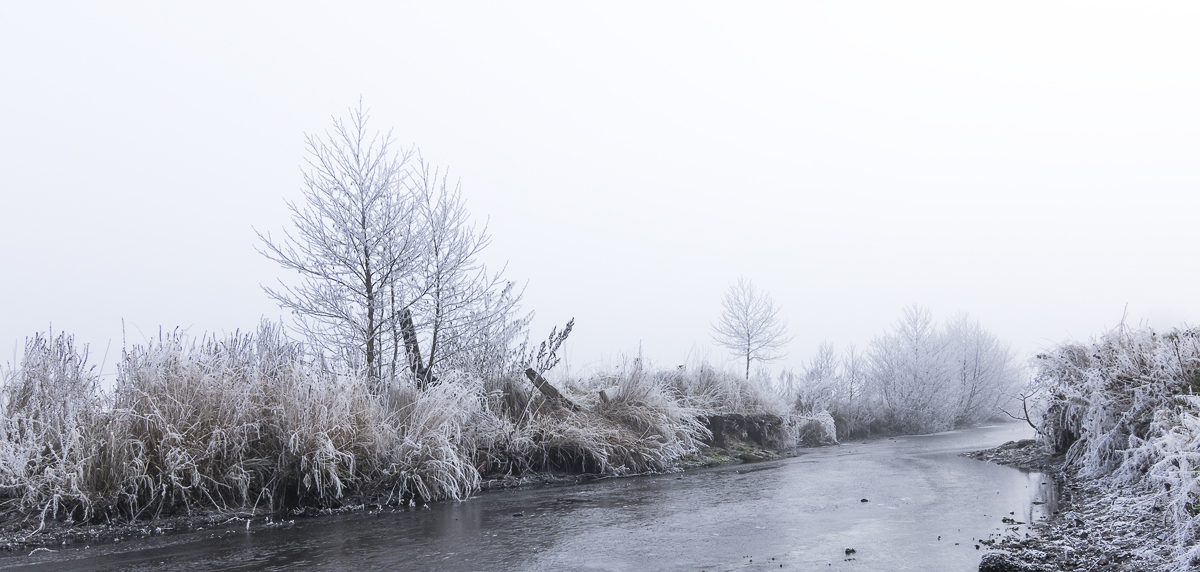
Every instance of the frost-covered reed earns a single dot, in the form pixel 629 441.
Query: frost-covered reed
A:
pixel 641 427
pixel 252 422
pixel 239 423
pixel 51 433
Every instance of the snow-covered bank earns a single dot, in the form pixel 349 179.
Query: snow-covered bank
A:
pixel 251 424
pixel 1120 416
pixel 1099 525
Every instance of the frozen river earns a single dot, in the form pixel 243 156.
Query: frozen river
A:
pixel 800 513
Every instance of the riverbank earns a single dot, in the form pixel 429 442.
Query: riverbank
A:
pixel 802 512
pixel 23 537
pixel 1098 526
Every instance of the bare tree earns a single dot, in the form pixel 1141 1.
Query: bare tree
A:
pixel 750 327
pixel 354 243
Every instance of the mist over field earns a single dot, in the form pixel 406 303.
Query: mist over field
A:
pixel 1031 165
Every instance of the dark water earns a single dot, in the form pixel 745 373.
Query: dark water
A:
pixel 801 513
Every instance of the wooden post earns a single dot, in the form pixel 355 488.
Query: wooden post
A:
pixel 548 390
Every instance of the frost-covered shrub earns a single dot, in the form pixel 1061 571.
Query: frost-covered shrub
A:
pixel 1125 407
pixel 926 378
pixel 1170 462
pixel 816 429
pixel 1101 397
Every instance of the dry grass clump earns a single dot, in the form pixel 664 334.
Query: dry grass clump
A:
pixel 229 424
pixel 246 420
pixel 721 392
pixel 236 423
pixel 718 392
pixel 642 428
pixel 425 444
pixel 650 420
pixel 49 414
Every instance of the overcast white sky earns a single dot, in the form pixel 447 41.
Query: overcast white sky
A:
pixel 1034 164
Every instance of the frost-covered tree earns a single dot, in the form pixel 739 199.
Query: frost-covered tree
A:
pixel 927 378
pixel 463 309
pixel 354 244
pixel 852 398
pixel 820 383
pixel 749 326
pixel 983 371
pixel 909 370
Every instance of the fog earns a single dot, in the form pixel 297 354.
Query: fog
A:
pixel 1033 165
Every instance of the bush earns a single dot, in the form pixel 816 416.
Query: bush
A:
pixel 1125 407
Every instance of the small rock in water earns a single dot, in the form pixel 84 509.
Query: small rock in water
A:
pixel 850 551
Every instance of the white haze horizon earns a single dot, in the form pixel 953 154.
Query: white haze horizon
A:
pixel 1033 165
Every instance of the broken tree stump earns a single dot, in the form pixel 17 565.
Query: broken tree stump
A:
pixel 549 390
pixel 425 378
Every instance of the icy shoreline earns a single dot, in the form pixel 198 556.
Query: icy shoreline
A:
pixel 1100 525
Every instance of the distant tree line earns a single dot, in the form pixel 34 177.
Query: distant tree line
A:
pixel 917 378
